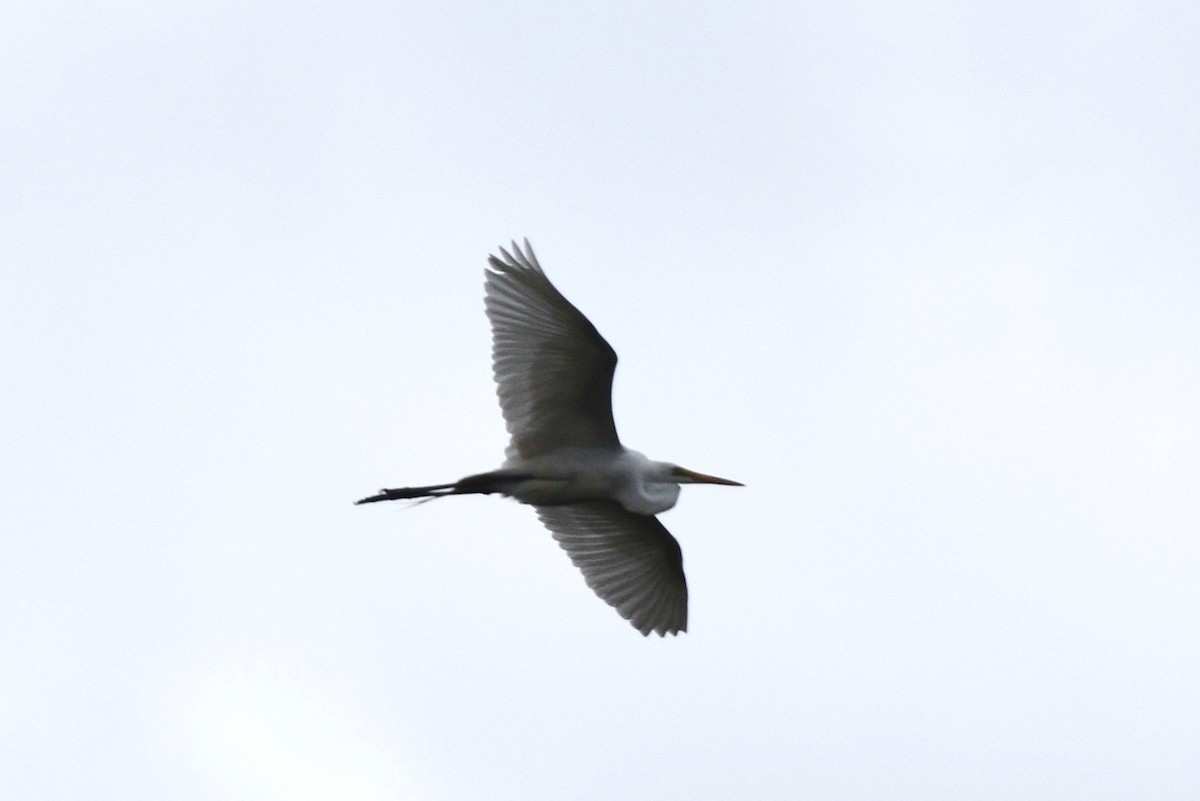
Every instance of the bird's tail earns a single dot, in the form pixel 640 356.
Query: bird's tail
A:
pixel 479 484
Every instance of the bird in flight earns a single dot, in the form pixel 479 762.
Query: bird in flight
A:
pixel 599 499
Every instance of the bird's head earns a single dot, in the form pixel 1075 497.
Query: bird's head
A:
pixel 662 482
pixel 656 485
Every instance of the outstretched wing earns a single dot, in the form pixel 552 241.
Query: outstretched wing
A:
pixel 631 561
pixel 553 370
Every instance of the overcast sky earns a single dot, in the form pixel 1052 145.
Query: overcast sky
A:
pixel 925 276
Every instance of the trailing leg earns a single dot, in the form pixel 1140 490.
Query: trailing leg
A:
pixel 479 484
pixel 406 493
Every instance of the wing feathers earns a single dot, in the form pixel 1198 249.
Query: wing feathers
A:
pixel 553 370
pixel 631 561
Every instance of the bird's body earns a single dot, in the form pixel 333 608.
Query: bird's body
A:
pixel 554 375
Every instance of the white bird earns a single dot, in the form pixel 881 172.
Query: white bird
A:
pixel 554 376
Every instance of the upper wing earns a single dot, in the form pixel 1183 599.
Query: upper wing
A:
pixel 553 369
pixel 631 561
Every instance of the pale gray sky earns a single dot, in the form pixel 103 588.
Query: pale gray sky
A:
pixel 926 277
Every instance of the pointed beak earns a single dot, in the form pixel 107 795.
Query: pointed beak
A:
pixel 700 478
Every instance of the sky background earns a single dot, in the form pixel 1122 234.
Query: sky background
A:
pixel 925 276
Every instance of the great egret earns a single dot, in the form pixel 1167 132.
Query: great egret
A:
pixel 554 376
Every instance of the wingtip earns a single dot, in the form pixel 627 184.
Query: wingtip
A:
pixel 515 257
